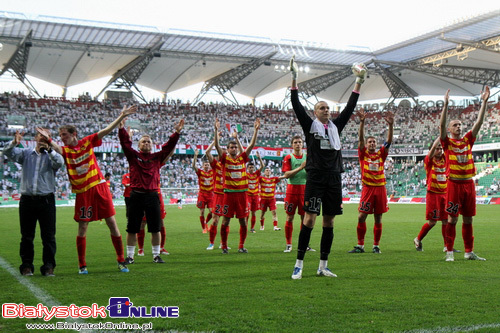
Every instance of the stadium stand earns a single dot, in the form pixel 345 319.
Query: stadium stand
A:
pixel 415 128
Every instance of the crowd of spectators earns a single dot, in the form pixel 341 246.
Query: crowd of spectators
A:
pixel 414 127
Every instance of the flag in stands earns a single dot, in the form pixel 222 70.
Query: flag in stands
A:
pixel 234 127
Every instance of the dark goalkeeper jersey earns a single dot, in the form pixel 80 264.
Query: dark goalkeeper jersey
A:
pixel 319 158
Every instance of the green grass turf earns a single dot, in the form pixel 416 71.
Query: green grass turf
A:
pixel 398 290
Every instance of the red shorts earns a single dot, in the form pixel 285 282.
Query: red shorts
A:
pixel 461 198
pixel 235 205
pixel 267 203
pixel 253 202
pixel 218 203
pixel 294 202
pixel 373 200
pixel 205 200
pixel 435 207
pixel 94 204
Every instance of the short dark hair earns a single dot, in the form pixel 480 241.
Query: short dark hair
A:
pixel 295 137
pixel 70 128
pixel 232 142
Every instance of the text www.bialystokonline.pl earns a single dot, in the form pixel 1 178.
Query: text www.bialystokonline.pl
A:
pixel 90 326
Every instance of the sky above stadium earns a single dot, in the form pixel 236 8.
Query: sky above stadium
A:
pixel 340 24
pixel 372 24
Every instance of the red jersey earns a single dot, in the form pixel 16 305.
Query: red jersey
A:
pixel 235 172
pixel 253 183
pixel 459 156
pixel 268 187
pixel 218 177
pixel 436 174
pixel 145 167
pixel 126 183
pixel 205 180
pixel 372 166
pixel 81 164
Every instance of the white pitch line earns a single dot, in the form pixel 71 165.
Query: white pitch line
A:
pixel 472 328
pixel 38 292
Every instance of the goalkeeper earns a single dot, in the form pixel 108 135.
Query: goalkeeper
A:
pixel 324 168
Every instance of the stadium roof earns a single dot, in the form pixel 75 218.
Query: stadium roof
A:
pixel 463 56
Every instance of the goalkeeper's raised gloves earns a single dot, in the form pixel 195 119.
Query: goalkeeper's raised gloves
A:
pixel 294 69
pixel 359 70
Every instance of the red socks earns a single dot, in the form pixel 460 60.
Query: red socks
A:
pixel 253 221
pixel 423 232
pixel 117 243
pixel 202 221
pixel 224 232
pixel 213 233
pixel 162 239
pixel 451 232
pixel 243 236
pixel 467 235
pixel 361 231
pixel 377 233
pixel 140 239
pixel 81 246
pixel 288 232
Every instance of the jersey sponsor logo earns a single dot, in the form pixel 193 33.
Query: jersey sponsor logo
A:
pixel 80 159
pixel 458 150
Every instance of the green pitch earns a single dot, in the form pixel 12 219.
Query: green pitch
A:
pixel 396 291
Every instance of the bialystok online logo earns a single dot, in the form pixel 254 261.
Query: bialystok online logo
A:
pixel 118 307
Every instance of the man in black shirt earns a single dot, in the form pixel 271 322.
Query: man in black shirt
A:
pixel 324 168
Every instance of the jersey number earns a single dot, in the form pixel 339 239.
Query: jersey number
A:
pixel 365 206
pixel 452 208
pixel 218 210
pixel 86 213
pixel 315 204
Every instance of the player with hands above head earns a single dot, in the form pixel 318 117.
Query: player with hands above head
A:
pixel 324 168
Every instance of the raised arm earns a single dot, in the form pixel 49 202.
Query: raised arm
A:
pixel 238 142
pixel 127 111
pixel 431 152
pixel 261 162
pixel 444 113
pixel 195 158
pixel 485 95
pixel 10 149
pixel 294 69
pixel 361 116
pixel 168 157
pixel 360 71
pixel 216 136
pixel 256 127
pixel 179 126
pixel 300 112
pixel 389 118
pixel 46 135
pixel 208 152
